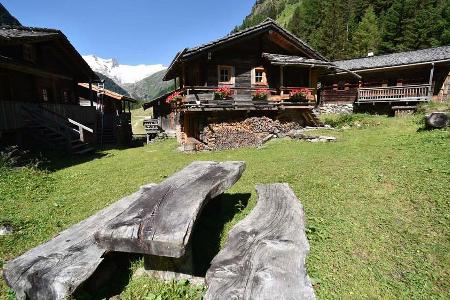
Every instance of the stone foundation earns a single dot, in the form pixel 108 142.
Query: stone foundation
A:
pixel 334 109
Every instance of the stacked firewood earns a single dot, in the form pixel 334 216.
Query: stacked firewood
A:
pixel 251 132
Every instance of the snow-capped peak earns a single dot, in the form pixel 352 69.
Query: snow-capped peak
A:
pixel 121 73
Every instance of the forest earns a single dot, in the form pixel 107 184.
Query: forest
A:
pixel 353 28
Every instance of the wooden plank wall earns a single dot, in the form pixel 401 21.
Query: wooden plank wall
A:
pixel 10 115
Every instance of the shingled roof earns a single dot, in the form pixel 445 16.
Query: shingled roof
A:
pixel 22 34
pixel 268 24
pixel 16 33
pixel 396 59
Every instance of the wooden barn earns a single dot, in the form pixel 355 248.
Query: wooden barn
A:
pixel 113 113
pixel 261 71
pixel 390 81
pixel 39 98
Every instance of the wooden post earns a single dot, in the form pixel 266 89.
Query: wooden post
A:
pixel 281 80
pixel 91 94
pixel 430 92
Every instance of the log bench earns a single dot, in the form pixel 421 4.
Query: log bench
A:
pixel 264 257
pixel 160 223
pixel 157 220
pixel 55 269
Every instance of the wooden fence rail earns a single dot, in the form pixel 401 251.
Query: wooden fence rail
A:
pixel 398 93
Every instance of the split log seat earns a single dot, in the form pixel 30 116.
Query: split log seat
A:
pixel 55 269
pixel 160 223
pixel 264 257
pixel 158 219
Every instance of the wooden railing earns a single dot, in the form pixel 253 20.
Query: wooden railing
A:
pixel 394 94
pixel 200 97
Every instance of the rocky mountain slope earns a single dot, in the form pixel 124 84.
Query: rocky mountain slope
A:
pixel 149 87
pixel 121 74
pixel 6 18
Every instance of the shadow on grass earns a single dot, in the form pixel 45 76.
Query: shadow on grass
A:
pixel 110 278
pixel 210 225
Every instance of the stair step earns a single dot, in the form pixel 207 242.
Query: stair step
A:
pixel 86 150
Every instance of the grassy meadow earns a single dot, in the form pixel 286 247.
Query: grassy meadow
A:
pixel 377 204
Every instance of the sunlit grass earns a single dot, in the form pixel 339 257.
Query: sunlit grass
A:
pixel 377 204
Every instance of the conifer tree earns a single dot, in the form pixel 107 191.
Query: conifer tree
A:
pixel 367 35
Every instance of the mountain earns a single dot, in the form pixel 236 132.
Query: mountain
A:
pixel 353 28
pixel 111 85
pixel 121 74
pixel 6 18
pixel 149 87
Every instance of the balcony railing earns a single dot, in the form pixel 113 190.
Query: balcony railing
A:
pixel 394 94
pixel 242 98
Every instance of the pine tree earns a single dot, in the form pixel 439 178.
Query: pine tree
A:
pixel 367 35
pixel 394 26
pixel 424 29
pixel 330 38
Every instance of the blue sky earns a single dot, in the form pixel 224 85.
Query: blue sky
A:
pixel 134 31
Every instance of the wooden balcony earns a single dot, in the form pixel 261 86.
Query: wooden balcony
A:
pixel 407 93
pixel 203 99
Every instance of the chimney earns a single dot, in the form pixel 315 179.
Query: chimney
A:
pixel 370 54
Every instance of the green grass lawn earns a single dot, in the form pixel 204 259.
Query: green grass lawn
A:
pixel 376 201
pixel 137 117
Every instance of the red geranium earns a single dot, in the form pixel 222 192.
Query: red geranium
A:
pixel 222 93
pixel 300 94
pixel 174 97
pixel 261 94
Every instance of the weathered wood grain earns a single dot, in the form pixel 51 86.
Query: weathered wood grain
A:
pixel 161 222
pixel 264 257
pixel 56 268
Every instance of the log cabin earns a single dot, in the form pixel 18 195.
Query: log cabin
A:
pixel 390 82
pixel 261 71
pixel 39 102
pixel 113 113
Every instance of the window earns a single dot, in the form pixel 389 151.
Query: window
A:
pixel 28 53
pixel 45 95
pixel 259 76
pixel 66 96
pixel 341 85
pixel 226 75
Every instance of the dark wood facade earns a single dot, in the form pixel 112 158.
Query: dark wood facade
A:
pixel 39 72
pixel 241 63
pixel 408 77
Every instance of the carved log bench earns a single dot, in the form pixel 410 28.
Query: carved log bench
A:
pixel 55 269
pixel 156 220
pixel 264 257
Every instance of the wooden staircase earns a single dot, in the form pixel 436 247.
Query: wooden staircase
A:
pixel 55 130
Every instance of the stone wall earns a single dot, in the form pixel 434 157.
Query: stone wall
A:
pixel 334 109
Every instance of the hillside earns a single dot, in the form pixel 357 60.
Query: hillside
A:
pixel 347 29
pixel 111 85
pixel 6 18
pixel 149 87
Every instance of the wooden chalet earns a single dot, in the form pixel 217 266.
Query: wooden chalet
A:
pixel 392 80
pixel 264 57
pixel 113 113
pixel 39 97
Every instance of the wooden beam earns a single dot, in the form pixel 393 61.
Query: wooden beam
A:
pixel 431 80
pixel 264 256
pixel 33 71
pixel 161 221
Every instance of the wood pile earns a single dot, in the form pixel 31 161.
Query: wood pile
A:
pixel 251 132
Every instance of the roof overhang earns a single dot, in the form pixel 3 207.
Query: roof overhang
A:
pixel 269 26
pixel 298 61
pixel 381 68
